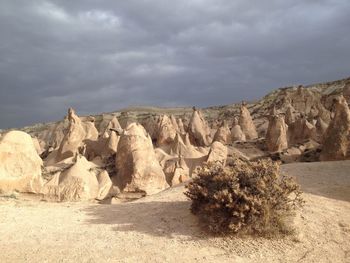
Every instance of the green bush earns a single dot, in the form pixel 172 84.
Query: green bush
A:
pixel 249 197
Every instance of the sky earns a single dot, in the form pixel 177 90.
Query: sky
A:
pixel 101 56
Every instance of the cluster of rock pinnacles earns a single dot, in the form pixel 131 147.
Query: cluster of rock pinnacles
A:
pixel 85 163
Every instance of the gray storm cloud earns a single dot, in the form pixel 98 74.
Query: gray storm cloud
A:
pixel 100 56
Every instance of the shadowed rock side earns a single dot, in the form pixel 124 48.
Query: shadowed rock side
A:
pixel 138 170
pixel 337 137
pixel 20 164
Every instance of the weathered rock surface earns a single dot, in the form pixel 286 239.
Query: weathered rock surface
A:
pixel 73 139
pixel 198 129
pixel 246 123
pixel 276 136
pixel 217 153
pixel 138 169
pixel 300 131
pixel 20 164
pixel 76 183
pixel 167 130
pixel 223 134
pixel 236 132
pixel 337 137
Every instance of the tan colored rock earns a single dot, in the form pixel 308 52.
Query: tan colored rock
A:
pixel 276 135
pixel 180 176
pixel 181 126
pixel 174 123
pixel 217 153
pixel 300 131
pixel 20 164
pixel 136 162
pixel 112 124
pixel 290 117
pixel 236 132
pixel 37 145
pixel 337 137
pixel 167 131
pixel 346 92
pixel 198 129
pixel 73 139
pixel 104 185
pixel 77 183
pixel 223 134
pixel 321 128
pixel 246 123
pixel 91 133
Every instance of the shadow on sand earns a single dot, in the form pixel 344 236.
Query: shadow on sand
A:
pixel 327 179
pixel 154 218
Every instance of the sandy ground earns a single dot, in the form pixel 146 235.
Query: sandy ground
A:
pixel 160 228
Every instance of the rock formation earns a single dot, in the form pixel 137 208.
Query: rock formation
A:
pixel 217 153
pixel 167 131
pixel 337 137
pixel 276 135
pixel 321 128
pixel 198 129
pixel 20 164
pixel 91 133
pixel 223 134
pixel 104 185
pixel 112 124
pixel 73 139
pixel 300 131
pixel 77 183
pixel 290 118
pixel 236 132
pixel 180 124
pixel 246 123
pixel 138 169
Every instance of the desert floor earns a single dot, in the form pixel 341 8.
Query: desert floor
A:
pixel 160 228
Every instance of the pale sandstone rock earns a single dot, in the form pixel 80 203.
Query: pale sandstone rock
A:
pixel 236 132
pixel 104 185
pixel 276 136
pixel 246 123
pixel 138 169
pixel 167 131
pixel 198 129
pixel 290 117
pixel 76 183
pixel 217 153
pixel 337 137
pixel 73 139
pixel 20 164
pixel 300 131
pixel 223 134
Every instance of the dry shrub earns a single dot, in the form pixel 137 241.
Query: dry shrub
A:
pixel 245 197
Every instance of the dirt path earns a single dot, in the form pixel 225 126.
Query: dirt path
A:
pixel 160 228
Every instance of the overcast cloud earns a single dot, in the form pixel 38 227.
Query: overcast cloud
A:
pixel 100 56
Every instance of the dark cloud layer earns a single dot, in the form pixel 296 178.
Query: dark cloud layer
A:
pixel 100 56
